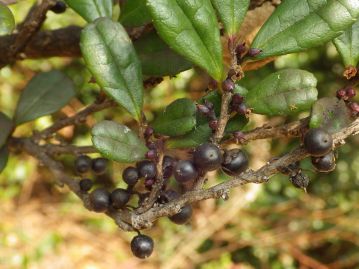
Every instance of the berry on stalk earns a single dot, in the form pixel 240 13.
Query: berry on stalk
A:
pixel 207 157
pixel 324 163
pixel 142 246
pixel 100 200
pixel 99 165
pixel 59 7
pixel 85 184
pixel 130 175
pixel 83 164
pixel 235 161
pixel 119 198
pixel 185 171
pixel 228 85
pixel 146 169
pixel 318 142
pixel 183 216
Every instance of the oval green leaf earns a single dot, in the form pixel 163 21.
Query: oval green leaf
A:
pixel 157 58
pixel 90 10
pixel 330 114
pixel 117 142
pixel 191 29
pixel 44 94
pixel 177 119
pixel 6 126
pixel 4 156
pixel 111 58
pixel 134 13
pixel 347 45
pixel 7 21
pixel 298 25
pixel 283 93
pixel 231 13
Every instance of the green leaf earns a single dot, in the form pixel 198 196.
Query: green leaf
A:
pixel 330 114
pixel 111 58
pixel 191 29
pixel 6 126
pixel 117 142
pixel 283 93
pixel 177 119
pixel 347 45
pixel 134 13
pixel 298 25
pixel 90 10
pixel 44 94
pixel 232 13
pixel 157 58
pixel 4 156
pixel 199 135
pixel 7 21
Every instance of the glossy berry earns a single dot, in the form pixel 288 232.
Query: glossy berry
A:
pixel 318 142
pixel 324 163
pixel 242 109
pixel 207 157
pixel 228 85
pixel 100 200
pixel 85 184
pixel 168 196
pixel 350 92
pixel 99 165
pixel 168 164
pixel 83 164
pixel 185 171
pixel 151 154
pixel 235 162
pixel 130 175
pixel 237 99
pixel 119 198
pixel 146 169
pixel 59 7
pixel 142 246
pixel 148 132
pixel 183 216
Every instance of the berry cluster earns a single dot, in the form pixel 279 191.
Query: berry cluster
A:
pixel 237 105
pixel 347 94
pixel 319 144
pixel 207 109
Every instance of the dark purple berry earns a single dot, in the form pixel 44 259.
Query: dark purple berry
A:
pixel 242 109
pixel 85 184
pixel 168 196
pixel 203 109
pixel 151 145
pixel 83 164
pixel 240 49
pixel 350 92
pixel 151 154
pixel 142 246
pixel 185 171
pixel 149 183
pixel 148 132
pixel 318 142
pixel 209 104
pixel 324 163
pixel 99 165
pixel 213 124
pixel 59 7
pixel 237 99
pixel 119 198
pixel 183 216
pixel 235 161
pixel 130 175
pixel 100 200
pixel 341 94
pixel 146 169
pixel 207 157
pixel 168 164
pixel 253 52
pixel 228 85
pixel 354 107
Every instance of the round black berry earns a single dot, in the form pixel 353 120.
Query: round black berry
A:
pixel 130 175
pixel 85 184
pixel 146 169
pixel 183 216
pixel 168 164
pixel 168 196
pixel 235 161
pixel 99 165
pixel 83 164
pixel 318 142
pixel 185 171
pixel 59 7
pixel 324 163
pixel 207 157
pixel 100 200
pixel 119 198
pixel 142 246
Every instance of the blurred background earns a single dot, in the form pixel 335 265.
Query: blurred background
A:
pixel 271 225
